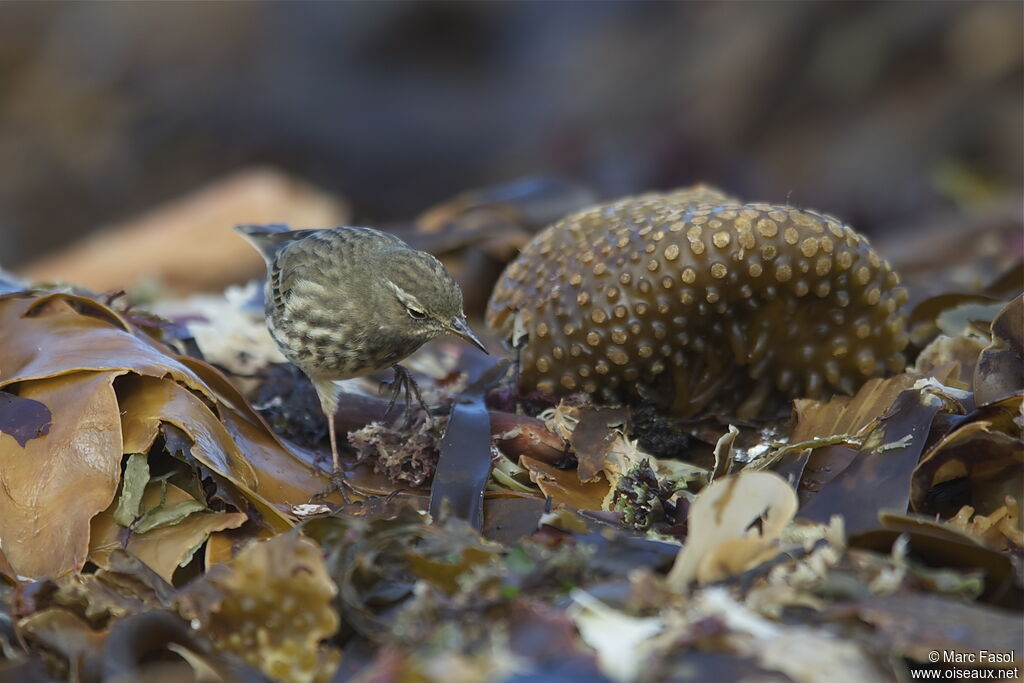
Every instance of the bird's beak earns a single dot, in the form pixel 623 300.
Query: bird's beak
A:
pixel 460 327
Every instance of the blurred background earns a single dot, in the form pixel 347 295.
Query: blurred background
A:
pixel 891 115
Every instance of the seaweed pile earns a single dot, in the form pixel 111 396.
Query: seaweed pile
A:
pixel 159 481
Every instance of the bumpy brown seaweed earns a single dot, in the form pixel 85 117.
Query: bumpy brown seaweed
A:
pixel 692 299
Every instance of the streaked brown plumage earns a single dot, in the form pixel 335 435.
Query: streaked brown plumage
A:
pixel 346 302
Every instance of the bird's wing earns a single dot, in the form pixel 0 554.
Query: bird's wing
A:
pixel 301 265
pixel 284 273
pixel 311 263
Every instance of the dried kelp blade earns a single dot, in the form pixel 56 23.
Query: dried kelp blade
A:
pixel 102 339
pixel 844 423
pixel 237 444
pixel 53 486
pixel 1000 369
pixel 48 336
pixel 172 527
pixel 935 314
pixel 464 464
pixel 285 474
pixel 516 435
pixel 986 448
pixel 938 548
pixel 596 431
pixel 110 390
pixel 510 517
pixel 564 486
pixel 845 416
pixel 147 402
pixel 878 477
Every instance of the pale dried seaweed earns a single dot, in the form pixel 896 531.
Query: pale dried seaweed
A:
pixel 271 607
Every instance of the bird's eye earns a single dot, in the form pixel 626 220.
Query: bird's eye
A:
pixel 416 314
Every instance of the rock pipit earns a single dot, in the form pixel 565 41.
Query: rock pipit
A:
pixel 347 302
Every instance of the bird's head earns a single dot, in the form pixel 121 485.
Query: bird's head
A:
pixel 429 297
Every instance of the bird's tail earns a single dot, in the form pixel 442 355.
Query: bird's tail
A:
pixel 268 239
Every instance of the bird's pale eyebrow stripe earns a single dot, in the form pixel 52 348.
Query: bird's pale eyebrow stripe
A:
pixel 405 297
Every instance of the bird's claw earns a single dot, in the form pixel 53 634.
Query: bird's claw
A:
pixel 338 484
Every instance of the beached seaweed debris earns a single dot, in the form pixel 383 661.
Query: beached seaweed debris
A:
pixel 642 499
pixel 407 456
pixel 288 402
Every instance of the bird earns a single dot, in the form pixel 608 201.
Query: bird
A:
pixel 346 302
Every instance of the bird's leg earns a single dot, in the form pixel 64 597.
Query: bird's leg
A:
pixel 404 383
pixel 328 393
pixel 336 477
pixel 394 395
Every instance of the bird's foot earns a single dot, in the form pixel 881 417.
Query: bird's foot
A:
pixel 403 383
pixel 338 484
